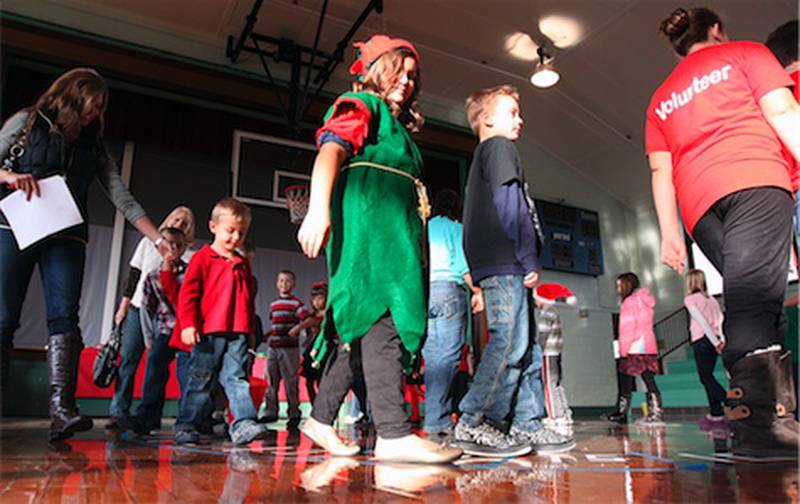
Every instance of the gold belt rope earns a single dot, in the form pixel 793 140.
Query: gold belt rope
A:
pixel 424 206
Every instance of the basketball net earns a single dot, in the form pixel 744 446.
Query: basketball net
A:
pixel 297 202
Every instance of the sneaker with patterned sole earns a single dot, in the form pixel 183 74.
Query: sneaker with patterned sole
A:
pixel 246 431
pixel 483 440
pixel 543 440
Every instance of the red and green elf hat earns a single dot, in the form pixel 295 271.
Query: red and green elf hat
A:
pixel 378 45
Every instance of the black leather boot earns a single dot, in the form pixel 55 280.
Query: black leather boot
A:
pixel 63 355
pixel 621 415
pixel 761 406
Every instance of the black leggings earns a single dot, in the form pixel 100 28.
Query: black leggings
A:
pixel 705 356
pixel 626 383
pixel 746 236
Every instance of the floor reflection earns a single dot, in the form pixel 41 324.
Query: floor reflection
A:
pixel 675 462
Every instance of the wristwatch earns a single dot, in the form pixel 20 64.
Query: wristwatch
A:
pixel 159 241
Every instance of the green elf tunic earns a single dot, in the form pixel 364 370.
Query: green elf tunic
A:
pixel 374 252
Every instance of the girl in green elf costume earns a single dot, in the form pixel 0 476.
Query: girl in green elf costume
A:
pixel 367 207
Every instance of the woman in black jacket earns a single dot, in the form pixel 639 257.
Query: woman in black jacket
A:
pixel 61 134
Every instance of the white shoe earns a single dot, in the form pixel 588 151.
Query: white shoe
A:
pixel 326 437
pixel 320 475
pixel 411 478
pixel 413 448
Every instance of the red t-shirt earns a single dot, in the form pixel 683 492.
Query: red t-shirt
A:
pixel 706 115
pixel 794 167
pixel 217 295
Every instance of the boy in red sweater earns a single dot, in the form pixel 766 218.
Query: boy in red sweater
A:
pixel 216 315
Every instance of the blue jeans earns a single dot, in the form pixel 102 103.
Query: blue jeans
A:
pixel 131 350
pixel 447 325
pixel 507 384
pixel 61 262
pixel 156 376
pixel 220 356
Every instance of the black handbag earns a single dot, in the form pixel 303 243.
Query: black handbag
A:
pixel 106 363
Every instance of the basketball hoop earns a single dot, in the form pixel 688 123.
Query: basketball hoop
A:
pixel 297 202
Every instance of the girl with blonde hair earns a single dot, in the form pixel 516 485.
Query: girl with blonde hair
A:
pixel 707 343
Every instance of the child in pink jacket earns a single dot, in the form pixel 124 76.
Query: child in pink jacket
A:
pixel 637 348
pixel 707 342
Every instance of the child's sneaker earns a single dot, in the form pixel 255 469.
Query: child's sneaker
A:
pixel 135 424
pixel 543 440
pixel 483 440
pixel 184 437
pixel 246 431
pixel 709 422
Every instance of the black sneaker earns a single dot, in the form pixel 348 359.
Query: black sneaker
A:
pixel 134 424
pixel 185 437
pixel 543 440
pixel 483 440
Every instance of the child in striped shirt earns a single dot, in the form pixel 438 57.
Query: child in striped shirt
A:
pixel 551 340
pixel 283 355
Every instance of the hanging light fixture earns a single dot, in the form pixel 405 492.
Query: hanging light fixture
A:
pixel 545 75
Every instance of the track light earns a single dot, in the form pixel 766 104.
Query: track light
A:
pixel 545 75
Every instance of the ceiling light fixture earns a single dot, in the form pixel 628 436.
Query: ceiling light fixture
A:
pixel 545 75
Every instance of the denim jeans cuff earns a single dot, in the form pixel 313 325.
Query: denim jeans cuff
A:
pixel 241 422
pixel 442 427
pixel 469 419
pixel 529 426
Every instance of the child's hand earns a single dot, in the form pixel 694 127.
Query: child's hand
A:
pixel 477 301
pixel 531 279
pixel 313 233
pixel 190 336
pixel 168 263
pixel 720 347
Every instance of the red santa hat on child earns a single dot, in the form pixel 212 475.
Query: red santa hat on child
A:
pixel 368 52
pixel 550 293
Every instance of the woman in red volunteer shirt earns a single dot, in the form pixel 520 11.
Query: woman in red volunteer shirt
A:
pixel 714 133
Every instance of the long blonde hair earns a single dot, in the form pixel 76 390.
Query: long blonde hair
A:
pixel 696 282
pixel 67 96
pixel 380 78
pixel 189 233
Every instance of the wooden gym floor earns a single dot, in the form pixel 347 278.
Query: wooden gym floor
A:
pixel 676 463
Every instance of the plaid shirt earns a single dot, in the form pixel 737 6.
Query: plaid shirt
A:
pixel 155 300
pixel 549 329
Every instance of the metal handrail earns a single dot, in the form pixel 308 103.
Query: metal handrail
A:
pixel 676 327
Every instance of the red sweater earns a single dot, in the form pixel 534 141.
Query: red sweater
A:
pixel 217 295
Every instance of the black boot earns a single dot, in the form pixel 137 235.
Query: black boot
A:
pixel 621 415
pixel 761 406
pixel 63 355
pixel 614 410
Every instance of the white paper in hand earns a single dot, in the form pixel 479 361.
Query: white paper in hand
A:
pixel 41 217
